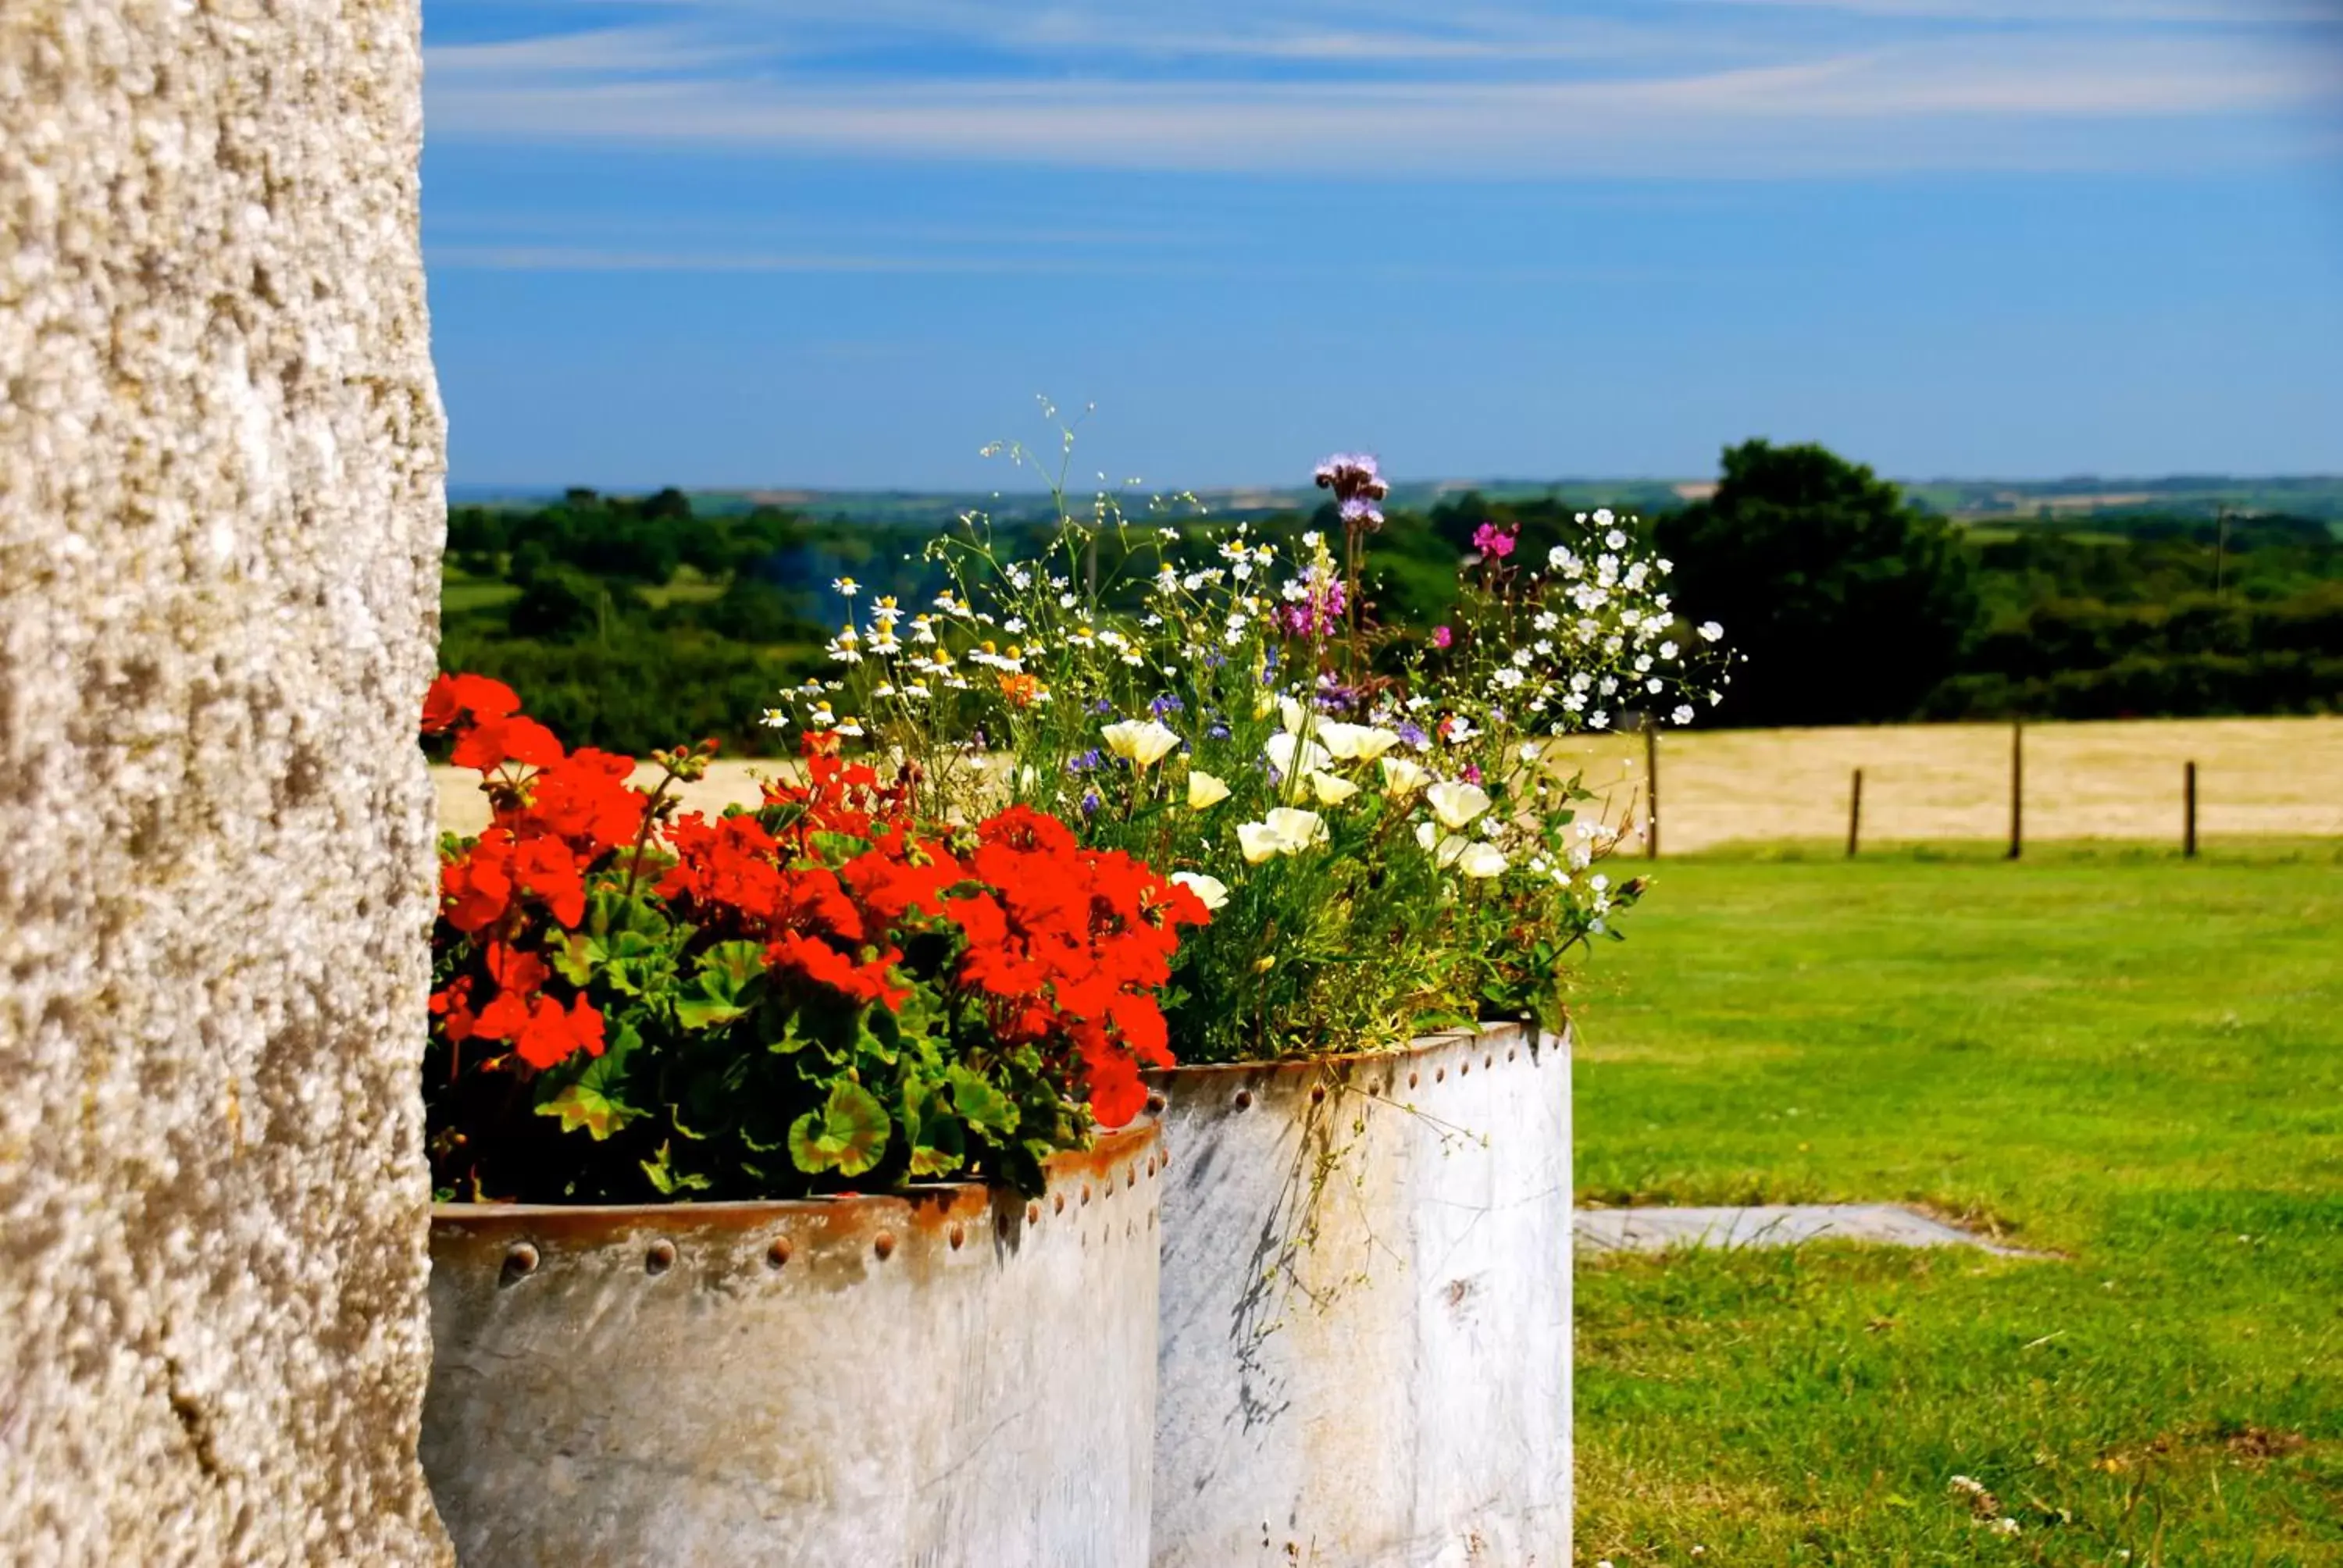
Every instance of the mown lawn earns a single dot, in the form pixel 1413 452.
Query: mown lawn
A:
pixel 2130 1061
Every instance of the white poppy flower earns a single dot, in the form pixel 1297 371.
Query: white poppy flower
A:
pixel 1402 777
pixel 1481 860
pixel 1211 891
pixel 1292 754
pixel 1331 791
pixel 1357 742
pixel 1456 803
pixel 1140 742
pixel 1203 789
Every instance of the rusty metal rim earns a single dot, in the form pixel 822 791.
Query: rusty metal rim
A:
pixel 1413 1051
pixel 1109 1152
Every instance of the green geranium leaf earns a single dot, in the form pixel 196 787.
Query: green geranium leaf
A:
pixel 575 957
pixel 984 1106
pixel 721 992
pixel 669 1180
pixel 595 1100
pixel 847 1135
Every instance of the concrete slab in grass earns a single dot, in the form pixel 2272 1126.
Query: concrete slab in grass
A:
pixel 1770 1225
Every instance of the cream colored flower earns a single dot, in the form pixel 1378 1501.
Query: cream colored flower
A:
pixel 1443 850
pixel 1400 777
pixel 1293 715
pixel 1331 791
pixel 1140 742
pixel 1456 804
pixel 1211 891
pixel 1292 754
pixel 1203 789
pixel 1481 860
pixel 1300 829
pixel 1356 742
pixel 1287 832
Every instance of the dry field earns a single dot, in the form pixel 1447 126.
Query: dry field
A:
pixel 2117 780
pixel 2122 780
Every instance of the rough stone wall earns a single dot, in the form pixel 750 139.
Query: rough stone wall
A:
pixel 220 524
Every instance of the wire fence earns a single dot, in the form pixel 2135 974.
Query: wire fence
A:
pixel 2182 782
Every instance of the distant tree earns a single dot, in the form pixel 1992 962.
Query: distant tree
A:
pixel 1850 604
pixel 559 606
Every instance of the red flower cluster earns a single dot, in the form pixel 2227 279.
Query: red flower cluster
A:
pixel 554 815
pixel 1052 945
pixel 1062 945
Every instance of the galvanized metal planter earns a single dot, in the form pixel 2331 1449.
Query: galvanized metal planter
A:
pixel 1365 1355
pixel 956 1377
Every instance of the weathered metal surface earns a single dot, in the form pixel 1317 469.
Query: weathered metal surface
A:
pixel 955 1377
pixel 1365 1358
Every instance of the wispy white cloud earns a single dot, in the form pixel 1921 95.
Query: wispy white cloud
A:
pixel 1495 88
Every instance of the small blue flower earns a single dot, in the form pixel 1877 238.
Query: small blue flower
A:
pixel 1101 706
pixel 1167 703
pixel 1217 732
pixel 1091 803
pixel 1412 733
pixel 1089 761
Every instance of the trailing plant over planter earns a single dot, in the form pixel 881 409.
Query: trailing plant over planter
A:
pixel 831 990
pixel 1383 818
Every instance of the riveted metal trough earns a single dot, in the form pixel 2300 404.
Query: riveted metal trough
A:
pixel 1365 1356
pixel 953 1377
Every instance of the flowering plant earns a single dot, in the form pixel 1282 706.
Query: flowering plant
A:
pixel 633 1003
pixel 1378 816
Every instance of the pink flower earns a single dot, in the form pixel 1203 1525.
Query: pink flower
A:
pixel 1490 541
pixel 1441 636
pixel 1471 774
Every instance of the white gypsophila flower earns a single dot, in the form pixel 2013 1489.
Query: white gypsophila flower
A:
pixel 1654 685
pixel 1710 631
pixel 1684 714
pixel 1614 541
pixel 1598 719
pixel 1331 791
pixel 1602 517
pixel 1667 650
pixel 1211 891
pixel 1546 620
pixel 1455 802
pixel 1204 790
pixel 1142 743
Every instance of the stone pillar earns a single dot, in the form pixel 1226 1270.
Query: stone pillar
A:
pixel 220 525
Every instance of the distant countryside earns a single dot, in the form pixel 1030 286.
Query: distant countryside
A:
pixel 637 621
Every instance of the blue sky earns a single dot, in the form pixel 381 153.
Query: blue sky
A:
pixel 845 242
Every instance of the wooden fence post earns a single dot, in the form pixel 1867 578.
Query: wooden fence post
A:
pixel 2188 812
pixel 2016 788
pixel 1855 815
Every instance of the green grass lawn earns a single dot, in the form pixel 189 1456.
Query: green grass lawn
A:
pixel 2130 1061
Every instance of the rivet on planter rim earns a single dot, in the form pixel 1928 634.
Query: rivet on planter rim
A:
pixel 1058 1202
pixel 883 1243
pixel 1440 1076
pixel 1131 1174
pixel 520 1258
pixel 1244 1099
pixel 1086 1191
pixel 958 1234
pixel 1155 1104
pixel 661 1258
pixel 1411 1080
pixel 1317 1094
pixel 1032 1213
pixel 778 1254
